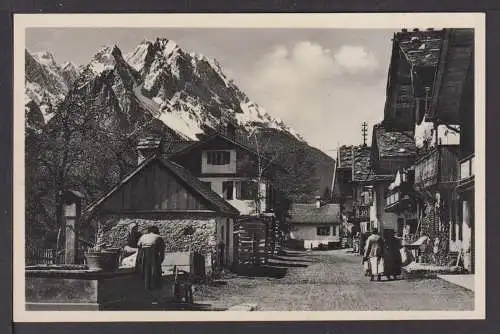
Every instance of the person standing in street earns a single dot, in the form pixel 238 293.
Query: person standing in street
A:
pixel 150 257
pixel 374 251
pixel 392 257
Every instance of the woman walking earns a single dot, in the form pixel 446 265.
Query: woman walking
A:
pixel 392 257
pixel 374 254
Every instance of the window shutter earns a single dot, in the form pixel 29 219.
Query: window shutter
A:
pixel 238 185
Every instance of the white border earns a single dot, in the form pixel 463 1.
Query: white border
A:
pixel 394 21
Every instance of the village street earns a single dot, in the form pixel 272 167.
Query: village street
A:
pixel 330 280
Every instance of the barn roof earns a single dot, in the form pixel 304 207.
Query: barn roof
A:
pixel 191 182
pixel 310 214
pixel 345 156
pixel 361 166
pixel 394 143
pixel 422 47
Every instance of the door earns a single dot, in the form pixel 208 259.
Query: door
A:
pixel 227 242
pixel 222 247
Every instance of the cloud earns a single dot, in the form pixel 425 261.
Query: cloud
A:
pixel 324 95
pixel 355 59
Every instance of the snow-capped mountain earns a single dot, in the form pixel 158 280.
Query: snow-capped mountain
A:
pixel 155 88
pixel 191 90
pixel 46 83
pixel 186 91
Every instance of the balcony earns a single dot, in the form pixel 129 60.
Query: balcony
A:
pixel 467 173
pixel 439 168
pixel 467 167
pixel 399 200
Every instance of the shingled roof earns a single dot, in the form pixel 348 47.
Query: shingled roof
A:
pixel 394 144
pixel 345 156
pixel 421 47
pixel 174 146
pixel 191 182
pixel 361 166
pixel 310 214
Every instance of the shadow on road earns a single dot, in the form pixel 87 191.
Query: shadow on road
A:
pixel 278 258
pixel 271 271
pixel 287 264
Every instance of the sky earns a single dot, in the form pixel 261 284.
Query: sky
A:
pixel 322 82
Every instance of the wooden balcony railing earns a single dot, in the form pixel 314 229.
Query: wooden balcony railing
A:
pixel 467 167
pixel 438 167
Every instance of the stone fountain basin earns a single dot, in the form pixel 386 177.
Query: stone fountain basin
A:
pixel 74 288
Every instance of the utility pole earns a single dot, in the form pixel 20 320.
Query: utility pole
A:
pixel 364 132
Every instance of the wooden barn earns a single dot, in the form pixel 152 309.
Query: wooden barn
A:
pixel 162 193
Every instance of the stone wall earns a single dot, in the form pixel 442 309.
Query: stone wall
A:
pixel 203 240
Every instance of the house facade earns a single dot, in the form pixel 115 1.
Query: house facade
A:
pixel 232 170
pixel 392 150
pixel 190 216
pixel 435 86
pixel 452 110
pixel 315 224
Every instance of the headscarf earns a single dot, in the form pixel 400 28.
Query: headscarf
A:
pixel 131 226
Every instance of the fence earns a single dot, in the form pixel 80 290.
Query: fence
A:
pixel 44 256
pixel 36 256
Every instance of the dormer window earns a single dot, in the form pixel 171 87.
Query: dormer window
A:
pixel 218 158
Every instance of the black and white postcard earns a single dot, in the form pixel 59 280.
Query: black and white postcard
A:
pixel 249 167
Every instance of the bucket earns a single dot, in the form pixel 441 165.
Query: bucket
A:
pixel 107 260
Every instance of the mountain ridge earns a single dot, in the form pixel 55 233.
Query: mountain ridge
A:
pixel 155 88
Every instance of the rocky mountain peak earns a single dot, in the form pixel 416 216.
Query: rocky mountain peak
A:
pixel 44 57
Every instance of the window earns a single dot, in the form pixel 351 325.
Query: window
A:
pixel 207 184
pixel 218 157
pixel 323 230
pixel 228 190
pixel 247 190
pixel 334 230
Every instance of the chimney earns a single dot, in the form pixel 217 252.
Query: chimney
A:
pixel 147 147
pixel 231 131
pixel 318 202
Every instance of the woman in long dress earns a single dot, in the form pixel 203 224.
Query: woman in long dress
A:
pixel 392 257
pixel 149 258
pixel 374 254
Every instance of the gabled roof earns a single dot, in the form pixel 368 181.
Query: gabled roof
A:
pixel 421 48
pixel 457 60
pixel 199 143
pixel 238 143
pixel 394 143
pixel 361 166
pixel 345 157
pixel 190 181
pixel 310 214
pixel 173 146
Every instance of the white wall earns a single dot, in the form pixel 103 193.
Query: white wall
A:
pixel 219 169
pixel 383 220
pixel 308 233
pixel 245 207
pixel 445 135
